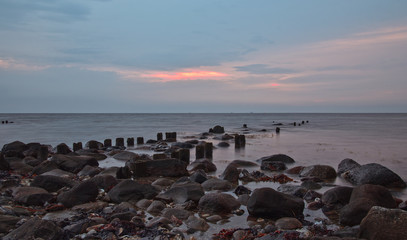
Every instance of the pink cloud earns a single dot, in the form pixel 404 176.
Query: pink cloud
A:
pixel 15 65
pixel 185 75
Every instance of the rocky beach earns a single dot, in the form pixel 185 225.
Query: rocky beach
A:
pixel 177 190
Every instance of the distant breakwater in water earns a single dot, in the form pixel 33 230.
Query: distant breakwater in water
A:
pixel 245 179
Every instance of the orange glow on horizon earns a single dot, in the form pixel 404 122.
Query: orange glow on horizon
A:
pixel 190 75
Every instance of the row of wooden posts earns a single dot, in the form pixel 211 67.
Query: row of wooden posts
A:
pixel 169 137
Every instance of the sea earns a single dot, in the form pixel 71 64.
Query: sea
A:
pixel 322 138
pixel 316 138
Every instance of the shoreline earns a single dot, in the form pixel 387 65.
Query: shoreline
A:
pixel 112 214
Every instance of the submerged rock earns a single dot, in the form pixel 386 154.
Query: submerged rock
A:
pixel 276 158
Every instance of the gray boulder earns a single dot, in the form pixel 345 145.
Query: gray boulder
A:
pixel 126 156
pixel 4 165
pixel 31 196
pixel 363 198
pixel 52 183
pixel 383 223
pixel 14 149
pixel 346 165
pixel 82 193
pixel 36 228
pixel 217 184
pixel 129 190
pixel 266 202
pixel 183 192
pixel 319 171
pixel 73 164
pixel 337 197
pixel 218 203
pixel 374 173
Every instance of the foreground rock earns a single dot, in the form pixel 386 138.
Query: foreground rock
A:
pixel 337 197
pixel 372 173
pixel 31 196
pixel 73 164
pixel 82 193
pixel 382 223
pixel 8 222
pixel 266 202
pixel 218 203
pixel 129 190
pixel 363 198
pixel 14 149
pixel 183 192
pixel 52 183
pixel 36 228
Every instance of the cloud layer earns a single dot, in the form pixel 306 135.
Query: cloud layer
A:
pixel 205 56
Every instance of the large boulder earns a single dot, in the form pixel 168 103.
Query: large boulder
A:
pixel 217 129
pixel 14 149
pixel 62 148
pixel 129 190
pixel 82 193
pixel 217 184
pixel 4 165
pixel 337 197
pixel 231 174
pixel 204 164
pixel 374 173
pixel 363 198
pixel 52 183
pixel 266 202
pixel 45 166
pixel 218 203
pixel 31 196
pixel 383 223
pixel 183 192
pixel 276 158
pixel 36 228
pixel 105 182
pixel 346 165
pixel 319 171
pixel 8 222
pixel 163 167
pixel 73 163
pixel 126 156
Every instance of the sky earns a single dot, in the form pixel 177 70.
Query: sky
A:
pixel 173 56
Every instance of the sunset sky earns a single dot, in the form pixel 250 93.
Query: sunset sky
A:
pixel 203 56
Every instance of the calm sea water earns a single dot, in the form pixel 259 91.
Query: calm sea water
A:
pixel 326 139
